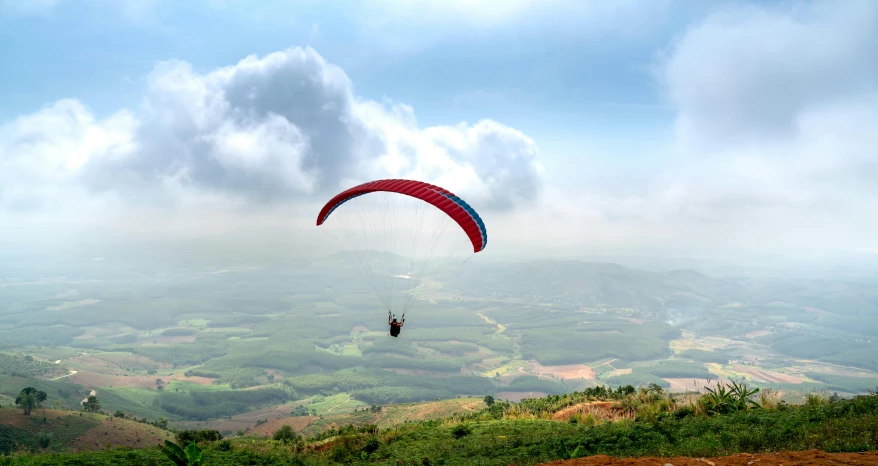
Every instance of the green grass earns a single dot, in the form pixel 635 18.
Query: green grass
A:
pixel 323 406
pixel 198 323
pixel 136 401
pixel 63 429
pixel 68 394
pixel 488 437
pixel 26 366
pixel 185 386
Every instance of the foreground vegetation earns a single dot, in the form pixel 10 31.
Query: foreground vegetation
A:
pixel 622 422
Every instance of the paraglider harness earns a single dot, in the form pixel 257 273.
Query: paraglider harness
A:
pixel 395 326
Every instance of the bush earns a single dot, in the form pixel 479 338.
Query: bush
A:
pixel 683 412
pixel 184 437
pixel 286 434
pixel 44 439
pixel 462 430
pixel 371 445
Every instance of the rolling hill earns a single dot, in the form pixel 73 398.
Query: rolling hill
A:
pixel 52 430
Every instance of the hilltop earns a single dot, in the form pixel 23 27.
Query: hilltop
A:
pixel 57 430
pixel 732 422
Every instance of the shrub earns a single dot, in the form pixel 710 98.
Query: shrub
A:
pixel 462 430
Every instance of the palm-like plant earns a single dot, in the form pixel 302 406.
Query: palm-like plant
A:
pixel 191 456
pixel 729 398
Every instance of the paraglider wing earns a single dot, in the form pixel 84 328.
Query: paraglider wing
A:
pixel 444 200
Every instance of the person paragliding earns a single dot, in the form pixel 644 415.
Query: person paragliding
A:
pixel 395 228
pixel 395 326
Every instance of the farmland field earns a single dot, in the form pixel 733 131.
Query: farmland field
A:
pixel 252 343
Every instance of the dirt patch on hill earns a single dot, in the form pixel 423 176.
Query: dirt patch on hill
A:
pixel 800 458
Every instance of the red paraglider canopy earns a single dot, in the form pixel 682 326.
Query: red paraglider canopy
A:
pixel 444 200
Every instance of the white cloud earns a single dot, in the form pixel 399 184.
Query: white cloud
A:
pixel 42 154
pixel 262 132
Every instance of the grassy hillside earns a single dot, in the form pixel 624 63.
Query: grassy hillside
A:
pixel 50 430
pixel 623 423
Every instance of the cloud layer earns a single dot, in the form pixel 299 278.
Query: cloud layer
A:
pixel 772 144
pixel 268 130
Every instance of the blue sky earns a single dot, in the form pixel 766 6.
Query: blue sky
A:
pixel 662 123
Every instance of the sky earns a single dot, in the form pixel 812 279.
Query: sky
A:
pixel 572 126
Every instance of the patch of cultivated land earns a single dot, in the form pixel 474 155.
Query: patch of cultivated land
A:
pixel 96 380
pixel 92 379
pixel 832 369
pixel 690 341
pixel 242 421
pixel 397 414
pixel 131 361
pixel 193 379
pixel 93 363
pixel 570 371
pixel 616 372
pixel 764 375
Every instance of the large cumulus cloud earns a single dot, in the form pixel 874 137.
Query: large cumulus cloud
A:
pixel 267 130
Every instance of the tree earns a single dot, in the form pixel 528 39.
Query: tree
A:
pixel 30 398
pixel 286 434
pixel 489 400
pixel 162 423
pixel 119 413
pixel 91 404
